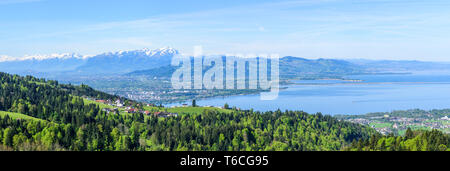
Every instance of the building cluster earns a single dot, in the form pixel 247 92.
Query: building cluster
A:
pixel 165 114
pixel 401 123
pixel 117 103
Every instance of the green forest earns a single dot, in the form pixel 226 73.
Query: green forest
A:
pixel 418 140
pixel 37 114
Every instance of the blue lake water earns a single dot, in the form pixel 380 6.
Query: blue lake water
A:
pixel 375 93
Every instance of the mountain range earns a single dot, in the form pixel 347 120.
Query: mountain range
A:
pixel 105 63
pixel 128 61
pixel 290 67
pixel 42 63
pixel 156 63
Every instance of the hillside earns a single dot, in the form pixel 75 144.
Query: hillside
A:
pixel 85 126
pixel 160 72
pixel 18 116
pixel 420 140
pixel 295 67
pixel 290 67
pixel 44 99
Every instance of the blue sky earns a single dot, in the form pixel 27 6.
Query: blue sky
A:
pixel 372 29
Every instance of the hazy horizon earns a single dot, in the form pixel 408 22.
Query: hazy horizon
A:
pixel 4 58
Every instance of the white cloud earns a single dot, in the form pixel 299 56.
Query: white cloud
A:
pixel 261 29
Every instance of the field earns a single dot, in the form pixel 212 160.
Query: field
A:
pixel 178 110
pixel 101 105
pixel 188 110
pixel 18 116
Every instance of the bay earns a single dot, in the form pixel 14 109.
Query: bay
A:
pixel 374 93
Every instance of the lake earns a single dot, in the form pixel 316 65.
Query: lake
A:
pixel 375 93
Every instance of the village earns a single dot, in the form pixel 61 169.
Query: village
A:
pixel 390 124
pixel 118 106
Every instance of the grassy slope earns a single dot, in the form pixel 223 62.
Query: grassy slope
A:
pixel 188 110
pixel 179 110
pixel 19 116
pixel 101 105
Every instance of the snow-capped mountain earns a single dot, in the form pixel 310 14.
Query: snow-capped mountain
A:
pixel 41 63
pixel 110 62
pixel 145 52
pixel 127 61
pixel 61 56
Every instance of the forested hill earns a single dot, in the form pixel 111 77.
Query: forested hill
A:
pixel 43 99
pixel 43 115
pixel 419 140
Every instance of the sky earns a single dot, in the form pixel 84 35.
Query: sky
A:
pixel 344 29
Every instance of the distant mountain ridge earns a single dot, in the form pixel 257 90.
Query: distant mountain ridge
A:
pixel 105 63
pixel 156 63
pixel 42 63
pixel 296 66
pixel 42 57
pixel 289 67
pixel 128 61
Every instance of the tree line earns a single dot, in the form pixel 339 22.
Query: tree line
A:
pixel 418 140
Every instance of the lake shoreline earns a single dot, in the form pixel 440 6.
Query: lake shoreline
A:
pixel 376 93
